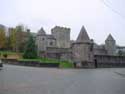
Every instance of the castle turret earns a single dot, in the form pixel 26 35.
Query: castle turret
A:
pixel 82 48
pixel 110 45
pixel 83 36
pixel 41 40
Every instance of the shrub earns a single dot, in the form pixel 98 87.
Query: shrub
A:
pixel 5 55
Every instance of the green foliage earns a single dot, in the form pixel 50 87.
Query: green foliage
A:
pixel 5 55
pixel 42 60
pixel 30 50
pixel 20 38
pixel 13 39
pixel 66 64
pixel 37 60
pixel 62 64
pixel 48 60
pixel 7 52
pixel 2 39
pixel 20 28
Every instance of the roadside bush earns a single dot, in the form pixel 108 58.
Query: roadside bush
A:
pixel 5 55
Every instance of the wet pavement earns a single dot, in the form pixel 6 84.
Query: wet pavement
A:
pixel 29 80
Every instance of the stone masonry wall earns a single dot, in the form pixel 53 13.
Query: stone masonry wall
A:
pixel 110 61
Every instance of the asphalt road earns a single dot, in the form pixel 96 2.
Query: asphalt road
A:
pixel 29 80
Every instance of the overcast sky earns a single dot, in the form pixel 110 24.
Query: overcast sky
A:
pixel 98 19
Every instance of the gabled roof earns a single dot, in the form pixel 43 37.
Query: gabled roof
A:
pixel 83 36
pixel 41 32
pixel 110 38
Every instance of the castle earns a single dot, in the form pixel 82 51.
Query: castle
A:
pixel 83 51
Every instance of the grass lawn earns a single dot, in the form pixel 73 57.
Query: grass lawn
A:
pixel 66 65
pixel 7 52
pixel 62 64
pixel 41 60
pixel 37 60
pixel 18 56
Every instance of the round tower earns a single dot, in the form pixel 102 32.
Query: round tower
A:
pixel 83 49
pixel 41 41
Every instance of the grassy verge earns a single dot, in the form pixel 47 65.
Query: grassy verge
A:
pixel 49 60
pixel 7 52
pixel 37 60
pixel 10 55
pixel 62 64
pixel 66 64
pixel 41 60
pixel 15 55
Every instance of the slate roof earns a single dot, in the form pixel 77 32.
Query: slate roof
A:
pixel 41 32
pixel 110 38
pixel 83 36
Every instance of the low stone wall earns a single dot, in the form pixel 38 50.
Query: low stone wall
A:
pixel 10 61
pixel 30 63
pixel 105 61
pixel 111 65
pixel 56 65
pixel 84 64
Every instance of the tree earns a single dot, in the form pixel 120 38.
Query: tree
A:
pixel 21 38
pixel 20 28
pixel 2 39
pixel 13 39
pixel 30 50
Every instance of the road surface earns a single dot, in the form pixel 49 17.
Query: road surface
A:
pixel 29 80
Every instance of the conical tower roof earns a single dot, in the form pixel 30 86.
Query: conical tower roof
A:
pixel 83 36
pixel 41 32
pixel 110 38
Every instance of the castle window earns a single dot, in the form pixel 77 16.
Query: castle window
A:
pixel 91 47
pixel 51 43
pixel 43 39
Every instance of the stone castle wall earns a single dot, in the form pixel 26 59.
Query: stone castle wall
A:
pixel 59 53
pixel 62 36
pixel 110 61
pixel 41 42
pixel 81 52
